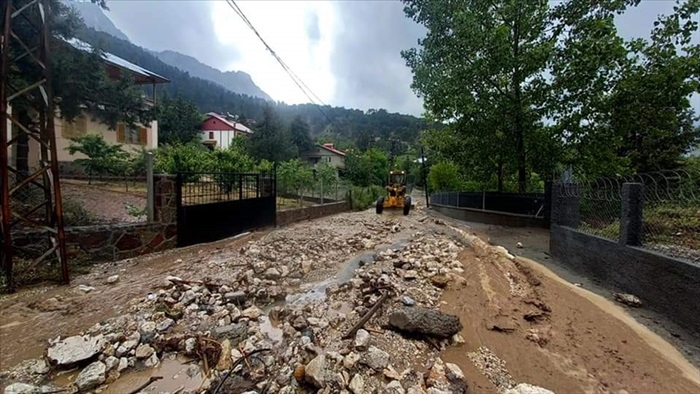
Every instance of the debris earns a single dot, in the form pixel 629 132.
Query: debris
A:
pixel 112 279
pixel 394 387
pixel 361 340
pixel 367 316
pixel 75 349
pixel 316 371
pixel 375 358
pixel 440 281
pixel 628 299
pixel 144 351
pixel 22 388
pixel 357 384
pixel 425 321
pixel 92 376
pixel 525 388
pixel 148 383
pixel 165 324
pixel 85 288
pixel 408 301
pixel 519 245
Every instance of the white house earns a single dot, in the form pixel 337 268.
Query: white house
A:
pixel 219 132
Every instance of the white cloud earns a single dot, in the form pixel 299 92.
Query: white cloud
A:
pixel 284 26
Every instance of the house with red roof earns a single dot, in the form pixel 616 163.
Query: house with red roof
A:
pixel 217 131
pixel 326 153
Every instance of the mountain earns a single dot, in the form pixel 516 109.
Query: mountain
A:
pixel 235 81
pixel 94 17
pixel 343 124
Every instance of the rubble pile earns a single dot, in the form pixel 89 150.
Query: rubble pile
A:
pixel 304 346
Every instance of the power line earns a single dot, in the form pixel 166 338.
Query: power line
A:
pixel 295 78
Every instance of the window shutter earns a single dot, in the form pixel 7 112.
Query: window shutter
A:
pixel 143 136
pixel 121 132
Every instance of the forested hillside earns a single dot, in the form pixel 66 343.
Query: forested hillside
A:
pixel 340 124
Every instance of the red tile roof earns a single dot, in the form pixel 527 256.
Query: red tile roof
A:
pixel 233 125
pixel 331 148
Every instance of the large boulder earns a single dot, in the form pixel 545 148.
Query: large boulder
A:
pixel 425 321
pixel 75 349
pixel 92 376
pixel 22 388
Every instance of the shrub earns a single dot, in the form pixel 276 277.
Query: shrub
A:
pixel 445 176
pixel 365 197
pixel 74 214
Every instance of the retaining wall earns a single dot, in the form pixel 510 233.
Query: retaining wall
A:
pixel 296 215
pixel 665 285
pixel 490 217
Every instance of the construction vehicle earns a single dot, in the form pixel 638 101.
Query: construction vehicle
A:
pixel 396 194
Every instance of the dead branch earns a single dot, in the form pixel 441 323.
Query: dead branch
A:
pixel 143 386
pixel 366 317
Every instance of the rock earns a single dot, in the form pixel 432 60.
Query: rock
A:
pixel 317 371
pixel 85 288
pixel 394 388
pixel 434 390
pixel 628 299
pixel 299 373
pixel 225 361
pixel 252 313
pixel 410 274
pixel 152 361
pixel 111 362
pixel 350 360
pixel 299 323
pixel 234 332
pixel 22 388
pixel 147 331
pixel 361 340
pixel 357 384
pixel 190 344
pixel 408 301
pixel 165 325
pixel 375 358
pixel 519 245
pixel 425 321
pixel 92 376
pixel 524 388
pixel 112 279
pixel 188 297
pixel 144 351
pixel 235 297
pixel 456 378
pixel 284 271
pixel 272 273
pixel 35 366
pixel 75 349
pixel 123 364
pixel 440 281
pixel 306 266
pixel 415 390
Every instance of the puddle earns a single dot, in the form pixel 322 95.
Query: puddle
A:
pixel 270 328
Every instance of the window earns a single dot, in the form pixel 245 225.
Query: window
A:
pixel 136 135
pixel 211 135
pixel 329 159
pixel 76 128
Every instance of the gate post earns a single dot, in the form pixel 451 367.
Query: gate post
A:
pixel 631 222
pixel 240 186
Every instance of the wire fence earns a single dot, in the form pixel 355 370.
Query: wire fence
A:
pixel 669 213
pixel 531 204
pixel 290 197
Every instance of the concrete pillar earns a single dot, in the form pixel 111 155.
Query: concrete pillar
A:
pixel 631 222
pixel 567 200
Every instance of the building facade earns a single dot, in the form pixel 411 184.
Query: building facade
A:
pixel 219 132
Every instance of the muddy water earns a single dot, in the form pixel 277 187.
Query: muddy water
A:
pixel 176 376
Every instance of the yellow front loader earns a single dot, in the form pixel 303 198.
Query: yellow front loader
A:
pixel 396 194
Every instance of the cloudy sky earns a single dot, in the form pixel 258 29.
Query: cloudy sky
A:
pixel 347 52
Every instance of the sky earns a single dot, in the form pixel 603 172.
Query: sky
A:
pixel 347 52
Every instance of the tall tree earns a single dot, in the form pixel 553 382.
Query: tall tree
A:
pixel 482 61
pixel 79 79
pixel 270 140
pixel 178 121
pixel 299 131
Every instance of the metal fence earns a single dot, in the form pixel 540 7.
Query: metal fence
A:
pixel 658 211
pixel 531 204
pixel 317 193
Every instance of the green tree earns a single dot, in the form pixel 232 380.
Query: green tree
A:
pixel 367 168
pixel 445 176
pixel 102 158
pixel 178 121
pixel 482 62
pixel 188 159
pixel 271 141
pixel 229 163
pixel 293 177
pixel 299 133
pixel 79 80
pixel 326 177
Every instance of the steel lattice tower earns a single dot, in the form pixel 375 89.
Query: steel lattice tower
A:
pixel 31 198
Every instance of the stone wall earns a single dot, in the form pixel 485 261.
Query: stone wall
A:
pixel 113 242
pixel 490 217
pixel 297 215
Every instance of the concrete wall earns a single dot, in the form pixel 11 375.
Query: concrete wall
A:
pixel 490 217
pixel 665 285
pixel 297 215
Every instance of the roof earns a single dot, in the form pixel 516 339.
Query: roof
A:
pixel 331 148
pixel 234 125
pixel 142 75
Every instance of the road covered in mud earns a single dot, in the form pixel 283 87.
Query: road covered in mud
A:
pixel 353 303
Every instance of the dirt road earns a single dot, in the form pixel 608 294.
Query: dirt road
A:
pixel 547 332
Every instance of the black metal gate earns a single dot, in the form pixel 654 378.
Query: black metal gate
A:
pixel 214 206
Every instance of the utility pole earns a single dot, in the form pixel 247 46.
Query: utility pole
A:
pixel 33 199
